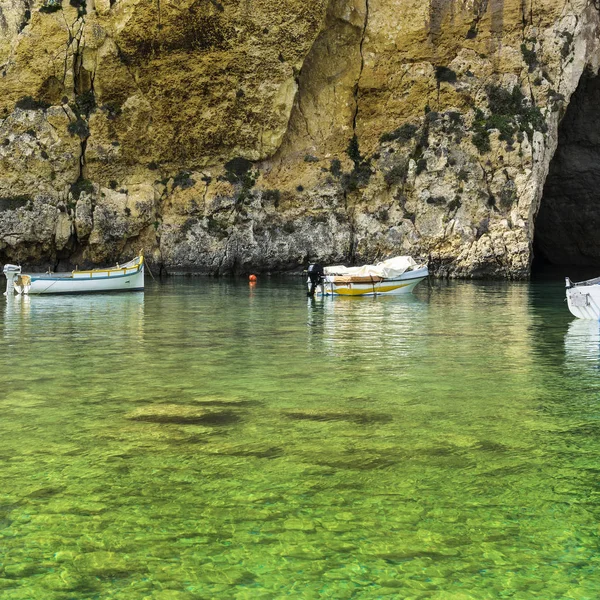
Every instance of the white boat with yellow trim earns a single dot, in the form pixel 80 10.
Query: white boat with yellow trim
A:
pixel 398 275
pixel 120 278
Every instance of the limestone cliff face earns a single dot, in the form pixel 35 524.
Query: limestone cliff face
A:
pixel 227 135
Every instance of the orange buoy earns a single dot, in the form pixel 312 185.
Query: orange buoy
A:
pixel 252 278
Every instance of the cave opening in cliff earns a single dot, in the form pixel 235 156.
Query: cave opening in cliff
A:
pixel 568 223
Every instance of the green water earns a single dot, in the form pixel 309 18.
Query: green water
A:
pixel 208 440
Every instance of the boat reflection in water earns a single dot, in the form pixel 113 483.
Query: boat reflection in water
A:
pixel 582 343
pixel 72 349
pixel 76 316
pixel 368 324
pixel 446 343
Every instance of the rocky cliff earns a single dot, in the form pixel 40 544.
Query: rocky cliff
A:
pixel 228 135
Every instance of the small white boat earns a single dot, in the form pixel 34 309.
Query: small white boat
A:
pixel 583 298
pixel 126 277
pixel 398 275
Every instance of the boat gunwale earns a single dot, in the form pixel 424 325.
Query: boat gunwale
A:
pixel 380 281
pixel 127 270
pixel 82 279
pixel 135 263
pixel 587 282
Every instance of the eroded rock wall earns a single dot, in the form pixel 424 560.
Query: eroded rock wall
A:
pixel 223 135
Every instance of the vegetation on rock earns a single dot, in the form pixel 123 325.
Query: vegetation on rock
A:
pixel 361 173
pixel 530 57
pixel 403 134
pixel 80 186
pixel 510 113
pixel 444 74
pixel 50 6
pixel 80 5
pixel 14 202
pixel 397 174
pixel 29 103
pixel 79 127
pixel 238 171
pixel 183 180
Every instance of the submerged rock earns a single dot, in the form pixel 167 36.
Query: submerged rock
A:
pixel 70 581
pixel 299 524
pixel 361 418
pixel 252 450
pixel 224 401
pixel 181 414
pixel 230 575
pixel 105 564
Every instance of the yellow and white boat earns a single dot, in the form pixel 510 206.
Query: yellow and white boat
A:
pixel 126 277
pixel 398 275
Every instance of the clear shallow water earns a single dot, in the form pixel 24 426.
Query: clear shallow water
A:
pixel 206 440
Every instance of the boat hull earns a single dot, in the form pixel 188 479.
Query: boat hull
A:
pixel 404 284
pixel 115 283
pixel 128 277
pixel 584 301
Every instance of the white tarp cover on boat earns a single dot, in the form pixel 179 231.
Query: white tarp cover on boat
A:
pixel 388 269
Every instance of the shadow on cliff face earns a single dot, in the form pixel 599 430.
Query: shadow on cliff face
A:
pixel 567 225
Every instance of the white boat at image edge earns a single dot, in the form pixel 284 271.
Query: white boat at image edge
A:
pixel 583 298
pixel 398 275
pixel 121 278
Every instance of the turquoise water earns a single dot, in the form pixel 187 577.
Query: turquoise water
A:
pixel 211 440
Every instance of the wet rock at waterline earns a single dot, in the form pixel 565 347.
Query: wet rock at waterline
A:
pixel 327 131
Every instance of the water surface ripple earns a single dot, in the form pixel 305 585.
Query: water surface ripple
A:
pixel 211 440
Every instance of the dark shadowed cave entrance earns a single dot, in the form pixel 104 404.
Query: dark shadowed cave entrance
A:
pixel 567 228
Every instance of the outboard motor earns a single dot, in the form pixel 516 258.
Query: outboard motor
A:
pixel 11 272
pixel 315 277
